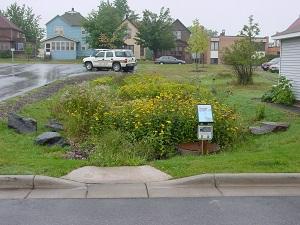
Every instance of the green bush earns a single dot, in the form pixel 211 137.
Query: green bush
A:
pixel 5 54
pixel 281 93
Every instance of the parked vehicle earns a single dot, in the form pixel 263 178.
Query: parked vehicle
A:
pixel 168 60
pixel 266 66
pixel 275 68
pixel 115 59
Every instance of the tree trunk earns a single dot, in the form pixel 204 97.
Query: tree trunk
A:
pixel 202 60
pixel 155 54
pixel 197 62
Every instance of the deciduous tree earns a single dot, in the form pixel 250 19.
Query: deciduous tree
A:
pixel 155 31
pixel 125 11
pixel 242 55
pixel 199 41
pixel 24 17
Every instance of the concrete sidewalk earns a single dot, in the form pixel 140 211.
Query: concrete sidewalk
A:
pixel 209 185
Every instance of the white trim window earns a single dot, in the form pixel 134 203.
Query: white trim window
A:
pixel 214 46
pixel 178 35
pixel 72 46
pixel 20 47
pixel 67 46
pixel 63 45
pixel 59 30
pixel 57 44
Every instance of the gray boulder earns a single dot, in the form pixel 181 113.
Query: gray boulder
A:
pixel 269 127
pixel 276 126
pixel 50 139
pixel 21 124
pixel 55 126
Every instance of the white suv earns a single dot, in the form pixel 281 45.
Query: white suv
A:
pixel 116 59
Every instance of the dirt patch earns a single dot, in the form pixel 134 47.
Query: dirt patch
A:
pixel 14 105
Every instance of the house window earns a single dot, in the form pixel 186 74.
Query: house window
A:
pixel 177 35
pixel 58 46
pixel 19 46
pixel 83 48
pixel 63 46
pixel 67 46
pixel 214 46
pixel 53 46
pixel 4 46
pixel 83 32
pixel 128 34
pixel 72 46
pixel 214 61
pixel 142 51
pixel 47 46
pixel 59 30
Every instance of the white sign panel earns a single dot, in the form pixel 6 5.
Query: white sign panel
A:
pixel 205 114
pixel 205 133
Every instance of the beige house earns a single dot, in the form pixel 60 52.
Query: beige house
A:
pixel 130 41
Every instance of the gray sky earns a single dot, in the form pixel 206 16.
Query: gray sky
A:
pixel 272 15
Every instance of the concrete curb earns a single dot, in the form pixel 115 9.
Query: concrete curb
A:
pixel 262 179
pixel 36 182
pixel 232 180
pixel 16 182
pixel 205 181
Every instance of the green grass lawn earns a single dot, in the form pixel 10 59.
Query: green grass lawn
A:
pixel 278 152
pixel 19 154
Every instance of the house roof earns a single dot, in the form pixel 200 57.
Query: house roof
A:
pixel 129 21
pixel 6 24
pixel 72 18
pixel 70 39
pixel 178 21
pixel 292 31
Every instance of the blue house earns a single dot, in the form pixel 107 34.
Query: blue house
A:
pixel 66 38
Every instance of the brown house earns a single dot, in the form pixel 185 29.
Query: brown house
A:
pixel 10 36
pixel 218 44
pixel 182 35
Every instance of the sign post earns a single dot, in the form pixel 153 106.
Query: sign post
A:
pixel 205 124
pixel 12 54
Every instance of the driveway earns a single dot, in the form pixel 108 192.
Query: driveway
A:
pixel 17 79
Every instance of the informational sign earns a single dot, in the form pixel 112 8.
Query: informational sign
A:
pixel 205 133
pixel 205 114
pixel 12 49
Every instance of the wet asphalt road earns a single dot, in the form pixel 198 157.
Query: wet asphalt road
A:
pixel 17 79
pixel 190 211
